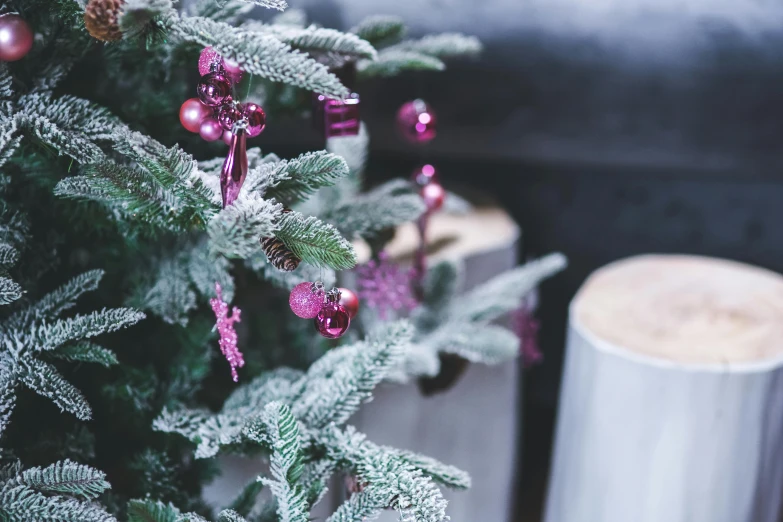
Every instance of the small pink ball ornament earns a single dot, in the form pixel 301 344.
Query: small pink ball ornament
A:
pixel 416 121
pixel 256 119
pixel 210 129
pixel 333 319
pixel 307 299
pixel 434 195
pixel 192 113
pixel 424 175
pixel 16 37
pixel 213 89
pixel 228 115
pixel 227 136
pixel 350 301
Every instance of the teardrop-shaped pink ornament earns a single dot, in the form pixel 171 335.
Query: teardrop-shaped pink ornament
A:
pixel 234 168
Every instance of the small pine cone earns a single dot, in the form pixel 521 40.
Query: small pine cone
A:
pixel 102 19
pixel 279 255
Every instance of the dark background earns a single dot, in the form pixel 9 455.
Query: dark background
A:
pixel 637 127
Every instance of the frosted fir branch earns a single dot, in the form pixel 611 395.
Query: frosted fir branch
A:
pixel 151 511
pixel 86 352
pixel 230 11
pixel 10 290
pixel 380 30
pixel 487 344
pixel 319 40
pixel 296 179
pixel 8 256
pixel 280 5
pixel 260 264
pixel 441 283
pixel 9 140
pixel 170 297
pixel 446 45
pixel 237 230
pixel 66 478
pixel 244 502
pixel 209 432
pixel 7 392
pixel 364 505
pixel 49 336
pixel 6 85
pixel 391 62
pixel 45 380
pixel 315 479
pixel 137 14
pixel 377 210
pixel 262 55
pixel 315 242
pixel 205 269
pixel 449 476
pixel 294 17
pixel 229 515
pixel 18 502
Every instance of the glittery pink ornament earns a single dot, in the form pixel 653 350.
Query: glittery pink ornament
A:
pixel 210 129
pixel 384 286
pixel 208 61
pixel 350 301
pixel 526 327
pixel 213 89
pixel 228 335
pixel 434 195
pixel 332 320
pixel 256 119
pixel 234 171
pixel 307 299
pixel 233 70
pixel 341 117
pixel 416 121
pixel 424 175
pixel 192 113
pixel 16 37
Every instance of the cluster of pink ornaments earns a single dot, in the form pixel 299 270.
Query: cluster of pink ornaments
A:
pixel 331 311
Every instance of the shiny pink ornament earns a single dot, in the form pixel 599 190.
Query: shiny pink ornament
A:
pixel 227 137
pixel 213 89
pixel 209 61
pixel 16 38
pixel 350 301
pixel 256 119
pixel 233 70
pixel 234 171
pixel 228 115
pixel 341 117
pixel 192 113
pixel 210 129
pixel 424 175
pixel 307 299
pixel 416 121
pixel 434 195
pixel 332 320
pixel 228 335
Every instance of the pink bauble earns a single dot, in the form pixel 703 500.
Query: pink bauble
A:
pixel 350 301
pixel 192 113
pixel 213 89
pixel 228 116
pixel 332 320
pixel 424 175
pixel 16 38
pixel 208 61
pixel 305 302
pixel 416 121
pixel 256 119
pixel 210 129
pixel 434 195
pixel 227 136
pixel 233 70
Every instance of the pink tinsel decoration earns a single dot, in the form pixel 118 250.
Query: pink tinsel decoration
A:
pixel 384 286
pixel 526 327
pixel 228 336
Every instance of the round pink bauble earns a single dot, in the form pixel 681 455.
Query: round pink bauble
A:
pixel 208 61
pixel 424 175
pixel 227 136
pixel 210 129
pixel 256 119
pixel 228 116
pixel 332 320
pixel 213 89
pixel 416 121
pixel 192 113
pixel 233 70
pixel 434 195
pixel 305 302
pixel 16 38
pixel 350 301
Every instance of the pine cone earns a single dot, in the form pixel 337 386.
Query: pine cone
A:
pixel 102 19
pixel 279 254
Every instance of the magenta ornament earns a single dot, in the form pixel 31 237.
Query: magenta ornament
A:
pixel 332 320
pixel 256 118
pixel 424 175
pixel 16 38
pixel 416 121
pixel 234 171
pixel 350 301
pixel 227 137
pixel 307 299
pixel 192 113
pixel 228 115
pixel 210 129
pixel 433 195
pixel 228 335
pixel 213 89
pixel 209 61
pixel 341 117
pixel 384 286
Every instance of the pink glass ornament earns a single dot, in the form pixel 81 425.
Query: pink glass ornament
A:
pixel 228 115
pixel 227 137
pixel 213 89
pixel 16 38
pixel 192 113
pixel 384 286
pixel 416 121
pixel 332 320
pixel 434 195
pixel 210 129
pixel 256 119
pixel 341 117
pixel 208 61
pixel 424 175
pixel 233 70
pixel 228 335
pixel 307 299
pixel 350 301
pixel 234 171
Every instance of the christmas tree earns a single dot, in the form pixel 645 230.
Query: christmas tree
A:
pixel 119 250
